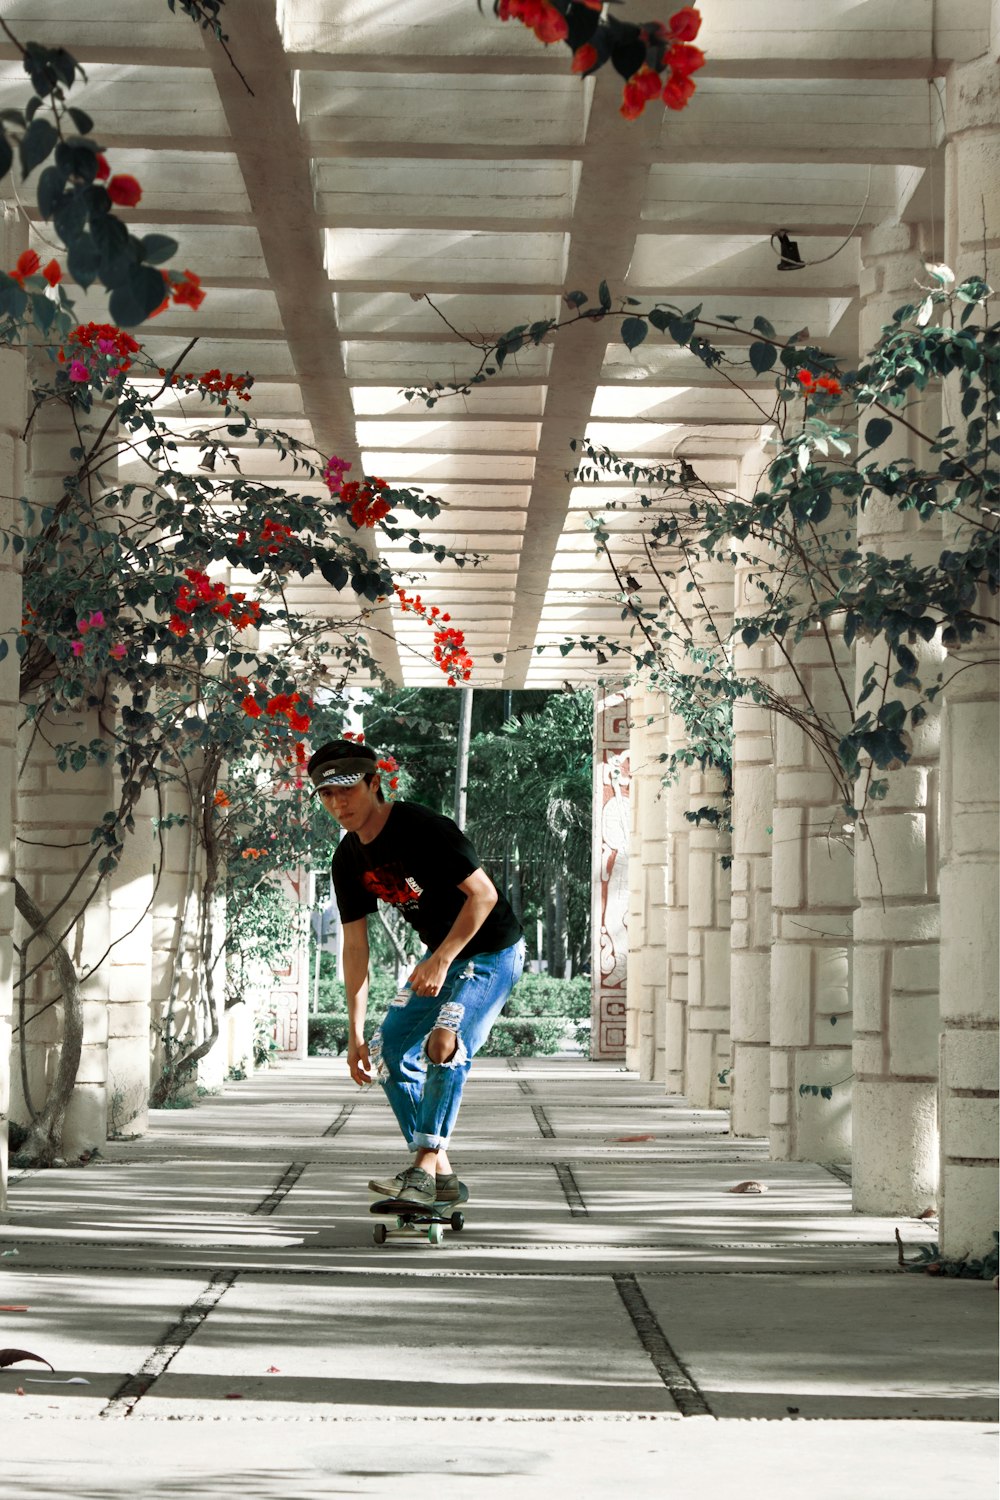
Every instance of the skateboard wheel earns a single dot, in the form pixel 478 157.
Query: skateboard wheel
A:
pixel 457 1221
pixel 379 1234
pixel 436 1234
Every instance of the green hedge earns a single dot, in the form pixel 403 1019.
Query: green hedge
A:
pixel 519 1036
pixel 534 996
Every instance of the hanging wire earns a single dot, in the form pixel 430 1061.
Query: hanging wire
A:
pixel 847 239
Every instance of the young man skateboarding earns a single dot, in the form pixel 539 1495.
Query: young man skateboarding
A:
pixel 422 864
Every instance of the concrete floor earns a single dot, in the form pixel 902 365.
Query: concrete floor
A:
pixel 613 1319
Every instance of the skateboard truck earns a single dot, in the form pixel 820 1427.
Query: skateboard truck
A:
pixel 415 1216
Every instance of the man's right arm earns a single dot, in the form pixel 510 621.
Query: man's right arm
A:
pixel 356 987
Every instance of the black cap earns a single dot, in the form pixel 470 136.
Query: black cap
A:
pixel 341 763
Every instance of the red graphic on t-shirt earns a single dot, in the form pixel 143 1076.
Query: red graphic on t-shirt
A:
pixel 391 886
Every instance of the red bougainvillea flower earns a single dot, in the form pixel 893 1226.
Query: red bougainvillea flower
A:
pixel 220 799
pixel 354 735
pixel 647 80
pixel 551 26
pixel 124 190
pixel 251 707
pixel 27 264
pixel 188 292
pixel 685 23
pixel 103 170
pixel 584 58
pixel 52 273
pixel 677 91
pixel 633 101
pixel 218 384
pixel 684 59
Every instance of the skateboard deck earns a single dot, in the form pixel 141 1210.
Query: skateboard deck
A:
pixel 430 1219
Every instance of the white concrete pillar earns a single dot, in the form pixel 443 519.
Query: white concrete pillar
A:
pixel 970 892
pixel 175 985
pixel 676 926
pixel 647 885
pixel 896 924
pixel 130 897
pixel 609 909
pixel 12 414
pixel 753 812
pixel 707 1048
pixel 813 899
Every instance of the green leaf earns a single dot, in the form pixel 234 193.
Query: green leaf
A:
pixel 156 248
pixel 81 120
pixel 83 260
pixel 877 431
pixel 38 141
pixel 633 331
pixel 133 301
pixel 763 357
pixel 6 155
pixel 604 296
pixel 764 327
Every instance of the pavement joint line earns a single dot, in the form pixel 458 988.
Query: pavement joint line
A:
pixel 337 1125
pixel 656 1273
pixel 567 1181
pixel 842 1174
pixel 576 1419
pixel 542 1121
pixel 134 1387
pixel 680 1383
pixel 280 1191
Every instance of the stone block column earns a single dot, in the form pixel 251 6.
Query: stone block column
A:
pixel 12 413
pixel 707 1049
pixel 896 924
pixel 678 831
pixel 754 736
pixel 130 898
pixel 609 909
pixel 647 885
pixel 970 890
pixel 813 901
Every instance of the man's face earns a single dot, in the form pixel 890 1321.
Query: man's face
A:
pixel 352 806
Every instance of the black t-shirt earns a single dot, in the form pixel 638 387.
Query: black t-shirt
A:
pixel 416 864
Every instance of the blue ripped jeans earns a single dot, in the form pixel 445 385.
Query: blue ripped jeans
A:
pixel 425 1096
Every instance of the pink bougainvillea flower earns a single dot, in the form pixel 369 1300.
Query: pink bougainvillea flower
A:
pixel 96 621
pixel 77 648
pixel 52 273
pixel 685 23
pixel 677 91
pixel 124 190
pixel 78 371
pixel 118 651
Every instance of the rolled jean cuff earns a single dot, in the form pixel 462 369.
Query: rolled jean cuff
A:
pixel 428 1142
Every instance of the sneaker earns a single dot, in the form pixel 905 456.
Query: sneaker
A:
pixel 389 1186
pixel 449 1189
pixel 418 1188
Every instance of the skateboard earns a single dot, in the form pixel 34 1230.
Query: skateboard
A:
pixel 416 1218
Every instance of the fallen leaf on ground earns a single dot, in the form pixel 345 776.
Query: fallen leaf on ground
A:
pixel 69 1380
pixel 748 1187
pixel 635 1137
pixel 928 1213
pixel 273 1370
pixel 19 1390
pixel 234 1396
pixel 14 1357
pixel 11 1307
